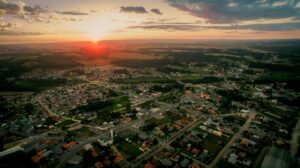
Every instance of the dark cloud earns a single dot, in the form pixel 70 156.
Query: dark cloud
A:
pixel 156 11
pixel 197 27
pixel 10 8
pixel 296 17
pixel 19 9
pixel 234 11
pixel 33 10
pixel 260 27
pixel 133 9
pixel 73 13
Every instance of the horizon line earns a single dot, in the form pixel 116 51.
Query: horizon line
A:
pixel 100 41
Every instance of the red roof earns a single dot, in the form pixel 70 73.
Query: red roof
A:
pixel 99 164
pixel 69 145
pixel 195 165
pixel 118 159
pixel 35 159
pixel 148 165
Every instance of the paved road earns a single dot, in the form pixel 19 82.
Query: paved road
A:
pixel 233 139
pixel 195 160
pixel 67 156
pixel 51 113
pixel 159 147
pixel 122 127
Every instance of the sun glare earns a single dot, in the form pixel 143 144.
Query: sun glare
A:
pixel 96 32
pixel 99 28
pixel 95 37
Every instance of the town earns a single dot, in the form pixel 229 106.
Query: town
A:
pixel 193 107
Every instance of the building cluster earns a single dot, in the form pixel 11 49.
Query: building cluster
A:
pixel 190 125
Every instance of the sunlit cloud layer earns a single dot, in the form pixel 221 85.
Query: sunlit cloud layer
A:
pixel 132 19
pixel 234 11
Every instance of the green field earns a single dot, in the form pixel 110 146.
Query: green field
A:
pixel 131 152
pixel 144 80
pixel 211 144
pixel 83 131
pixel 98 121
pixel 107 110
pixel 191 79
pixel 167 98
pixel 146 105
pixel 156 121
pixel 107 105
pixel 200 79
pixel 65 123
pixel 152 123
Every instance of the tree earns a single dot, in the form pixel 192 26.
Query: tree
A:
pixel 155 142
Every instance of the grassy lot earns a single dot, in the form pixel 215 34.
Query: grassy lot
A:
pixel 211 144
pixel 64 123
pixel 156 121
pixel 172 69
pixel 167 98
pixel 129 150
pixel 200 79
pixel 201 70
pixel 118 103
pixel 108 111
pixel 83 131
pixel 191 79
pixel 278 77
pixel 146 105
pixel 108 105
pixel 152 123
pixel 98 121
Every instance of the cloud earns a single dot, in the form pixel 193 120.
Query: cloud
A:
pixel 19 9
pixel 36 13
pixel 156 11
pixel 6 26
pixel 73 13
pixel 14 33
pixel 72 19
pixel 168 26
pixel 10 8
pixel 296 17
pixel 234 11
pixel 133 9
pixel 260 27
pixel 34 10
pixel 180 26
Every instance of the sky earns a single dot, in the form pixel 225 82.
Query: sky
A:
pixel 23 21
